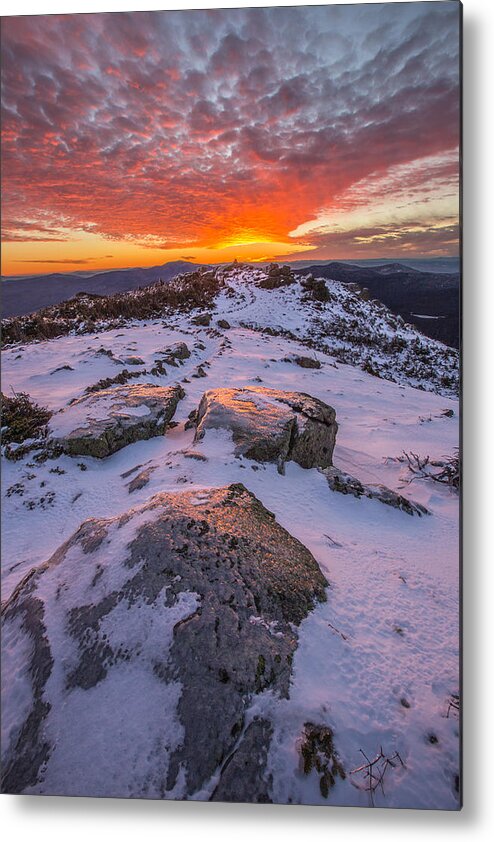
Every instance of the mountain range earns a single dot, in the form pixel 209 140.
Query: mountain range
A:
pixel 430 300
pixel 21 296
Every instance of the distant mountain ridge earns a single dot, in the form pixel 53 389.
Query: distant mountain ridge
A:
pixel 21 296
pixel 428 300
pixel 440 265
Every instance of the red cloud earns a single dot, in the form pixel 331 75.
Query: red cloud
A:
pixel 189 127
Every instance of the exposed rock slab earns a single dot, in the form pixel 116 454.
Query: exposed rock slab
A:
pixel 269 425
pixel 101 423
pixel 156 626
pixel 346 484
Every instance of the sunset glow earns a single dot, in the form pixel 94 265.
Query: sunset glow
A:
pixel 256 134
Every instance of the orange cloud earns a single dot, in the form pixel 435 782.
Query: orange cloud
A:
pixel 216 131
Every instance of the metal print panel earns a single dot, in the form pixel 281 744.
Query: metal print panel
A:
pixel 230 432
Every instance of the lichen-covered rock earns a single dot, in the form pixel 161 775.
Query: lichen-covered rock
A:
pixel 269 425
pixel 140 643
pixel 103 422
pixel 346 484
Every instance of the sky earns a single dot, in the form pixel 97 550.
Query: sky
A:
pixel 325 132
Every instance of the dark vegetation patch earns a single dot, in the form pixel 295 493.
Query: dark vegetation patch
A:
pixel 121 378
pixel 317 752
pixel 22 419
pixel 87 313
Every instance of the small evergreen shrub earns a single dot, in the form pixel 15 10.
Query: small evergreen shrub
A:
pixel 22 418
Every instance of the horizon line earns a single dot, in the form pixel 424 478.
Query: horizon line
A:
pixel 92 272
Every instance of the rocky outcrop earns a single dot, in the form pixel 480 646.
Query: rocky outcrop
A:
pixel 316 288
pixel 174 354
pixel 103 422
pixel 170 616
pixel 277 276
pixel 269 425
pixel 346 484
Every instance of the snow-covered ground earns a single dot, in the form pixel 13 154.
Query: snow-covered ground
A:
pixel 379 661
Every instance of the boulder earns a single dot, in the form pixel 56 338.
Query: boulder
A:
pixel 137 647
pixel 304 362
pixel 202 320
pixel 269 425
pixel 223 324
pixel 346 484
pixel 133 360
pixel 103 422
pixel 176 353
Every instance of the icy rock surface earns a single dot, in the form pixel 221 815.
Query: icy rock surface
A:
pixel 269 425
pixel 147 635
pixel 101 423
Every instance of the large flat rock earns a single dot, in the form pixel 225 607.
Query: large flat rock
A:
pixel 101 423
pixel 135 650
pixel 269 425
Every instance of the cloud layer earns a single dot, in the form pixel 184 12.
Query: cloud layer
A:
pixel 204 129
